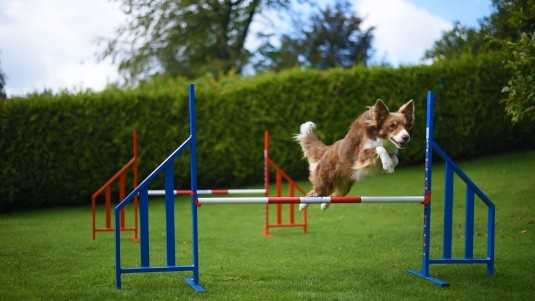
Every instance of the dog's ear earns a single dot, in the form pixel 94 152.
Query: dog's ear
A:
pixel 380 112
pixel 408 110
pixel 377 114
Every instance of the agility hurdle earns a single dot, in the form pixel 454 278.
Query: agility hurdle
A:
pixel 133 165
pixel 106 189
pixel 280 176
pixel 166 167
pixel 293 187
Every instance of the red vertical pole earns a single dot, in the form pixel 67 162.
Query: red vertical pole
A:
pixel 122 188
pixel 266 162
pixel 135 179
pixel 291 185
pixel 278 186
pixel 266 181
pixel 107 206
pixel 94 213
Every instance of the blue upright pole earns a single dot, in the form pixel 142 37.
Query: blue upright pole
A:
pixel 448 210
pixel 194 280
pixel 144 227
pixel 469 224
pixel 170 213
pixel 117 251
pixel 427 184
pixel 424 273
pixel 491 215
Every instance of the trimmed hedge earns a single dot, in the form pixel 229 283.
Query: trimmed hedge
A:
pixel 57 149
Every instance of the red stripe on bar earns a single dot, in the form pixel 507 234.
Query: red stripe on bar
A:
pixel 219 191
pixel 212 192
pixel 297 200
pixel 427 198
pixel 345 199
pixel 183 192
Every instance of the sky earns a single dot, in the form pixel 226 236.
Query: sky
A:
pixel 53 44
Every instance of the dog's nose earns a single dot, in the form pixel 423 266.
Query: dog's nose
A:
pixel 405 138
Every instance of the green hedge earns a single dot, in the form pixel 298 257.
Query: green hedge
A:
pixel 57 149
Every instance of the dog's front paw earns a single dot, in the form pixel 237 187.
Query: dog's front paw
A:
pixel 325 206
pixel 307 128
pixel 388 165
pixel 386 160
pixel 302 207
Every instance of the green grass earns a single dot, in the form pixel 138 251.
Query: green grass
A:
pixel 353 252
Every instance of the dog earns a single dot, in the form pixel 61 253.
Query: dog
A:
pixel 334 168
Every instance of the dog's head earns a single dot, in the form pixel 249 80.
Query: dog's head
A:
pixel 393 126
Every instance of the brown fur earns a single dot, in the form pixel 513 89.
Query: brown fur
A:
pixel 332 167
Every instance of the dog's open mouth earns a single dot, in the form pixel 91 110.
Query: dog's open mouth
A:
pixel 397 144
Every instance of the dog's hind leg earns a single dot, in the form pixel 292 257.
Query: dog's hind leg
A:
pixel 341 189
pixel 320 188
pixel 322 179
pixel 303 205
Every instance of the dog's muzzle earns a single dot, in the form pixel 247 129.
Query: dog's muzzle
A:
pixel 401 141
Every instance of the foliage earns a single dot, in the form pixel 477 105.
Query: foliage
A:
pixel 520 100
pixel 508 30
pixel 509 20
pixel 459 40
pixel 188 38
pixel 274 58
pixel 334 38
pixel 56 149
pixel 2 84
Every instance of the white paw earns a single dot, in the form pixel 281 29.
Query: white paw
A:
pixel 325 206
pixel 307 128
pixel 388 165
pixel 302 206
pixel 386 160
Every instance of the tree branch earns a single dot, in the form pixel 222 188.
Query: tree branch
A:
pixel 245 31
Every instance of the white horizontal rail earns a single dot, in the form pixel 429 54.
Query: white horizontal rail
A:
pixel 160 192
pixel 246 191
pixel 393 199
pixel 311 200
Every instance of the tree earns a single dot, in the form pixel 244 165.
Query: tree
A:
pixel 286 56
pixel 186 38
pixel 334 38
pixel 2 85
pixel 509 31
pixel 520 100
pixel 459 40
pixel 509 20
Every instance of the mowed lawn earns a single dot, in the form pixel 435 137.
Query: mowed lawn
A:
pixel 352 252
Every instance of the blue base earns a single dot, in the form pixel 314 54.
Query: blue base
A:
pixel 433 280
pixel 197 287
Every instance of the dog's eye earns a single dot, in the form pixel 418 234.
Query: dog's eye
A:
pixel 393 125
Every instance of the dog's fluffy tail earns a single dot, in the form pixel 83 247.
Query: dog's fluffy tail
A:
pixel 313 148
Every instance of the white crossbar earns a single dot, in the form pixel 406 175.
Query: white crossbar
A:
pixel 160 192
pixel 393 199
pixel 246 191
pixel 237 200
pixel 310 200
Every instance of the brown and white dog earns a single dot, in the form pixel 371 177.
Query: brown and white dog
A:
pixel 334 168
